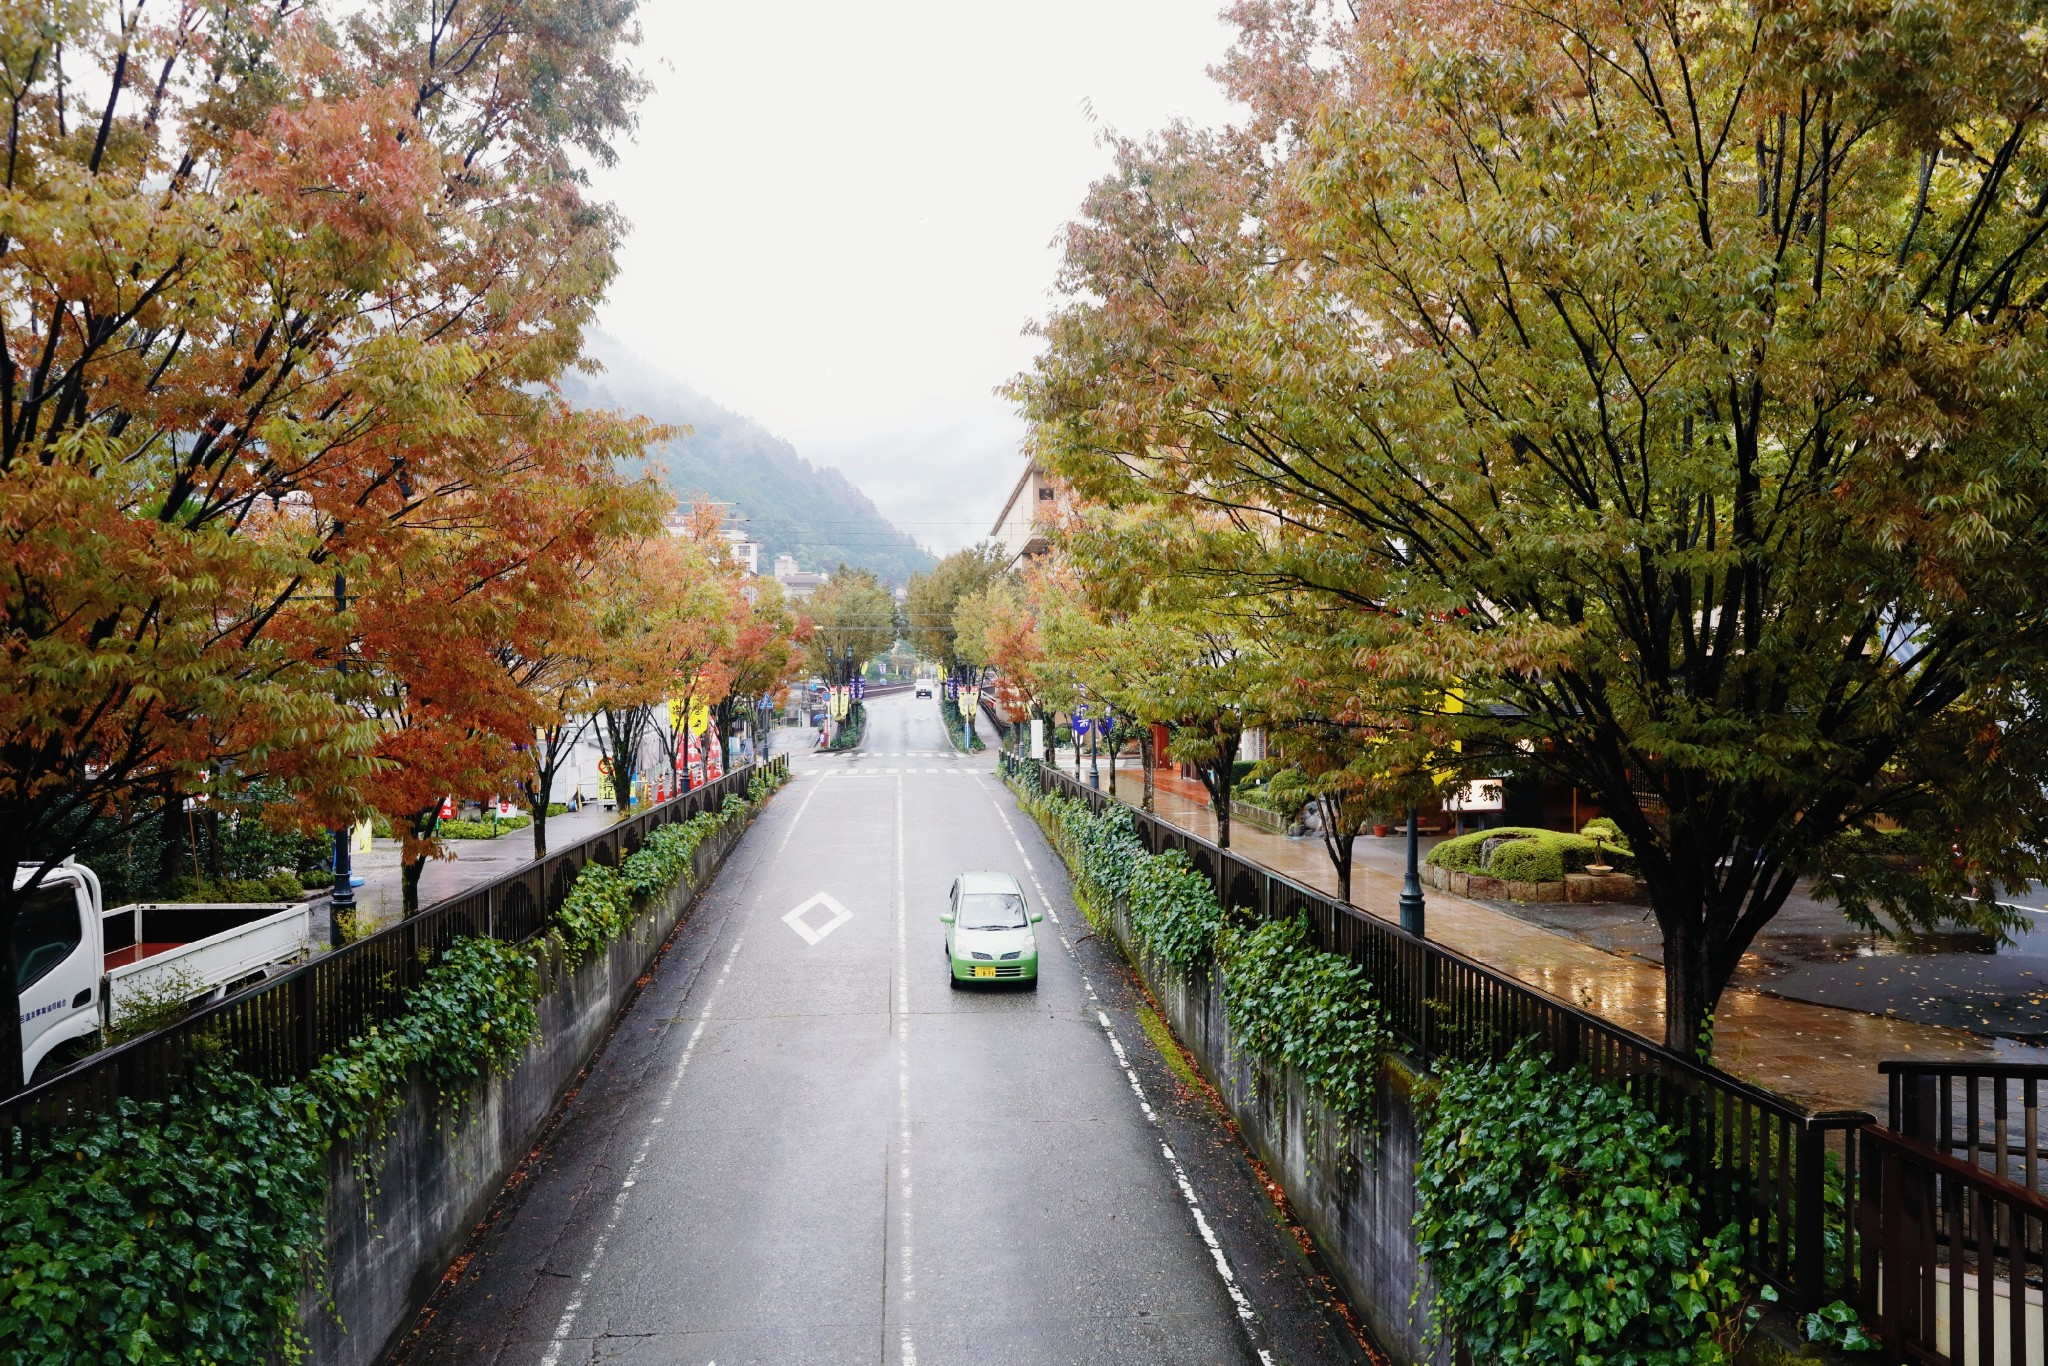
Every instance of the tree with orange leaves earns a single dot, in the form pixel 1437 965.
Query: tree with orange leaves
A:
pixel 668 603
pixel 463 646
pixel 761 656
pixel 274 279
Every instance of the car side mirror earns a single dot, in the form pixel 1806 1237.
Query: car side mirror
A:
pixel 945 917
pixel 1037 916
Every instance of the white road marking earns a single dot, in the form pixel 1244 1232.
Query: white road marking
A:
pixel 797 819
pixel 567 1323
pixel 1246 1315
pixel 795 919
pixel 907 1347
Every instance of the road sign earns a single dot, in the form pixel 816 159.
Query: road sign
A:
pixel 798 919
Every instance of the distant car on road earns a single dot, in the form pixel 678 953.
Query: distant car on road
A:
pixel 988 931
pixel 924 687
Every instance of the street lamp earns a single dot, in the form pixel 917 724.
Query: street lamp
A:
pixel 1411 885
pixel 342 900
pixel 1094 773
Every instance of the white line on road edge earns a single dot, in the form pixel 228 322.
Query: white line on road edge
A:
pixel 907 1347
pixel 567 1323
pixel 1246 1315
pixel 802 807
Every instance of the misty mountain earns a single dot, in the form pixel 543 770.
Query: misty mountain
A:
pixel 789 505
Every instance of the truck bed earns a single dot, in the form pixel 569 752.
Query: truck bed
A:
pixel 192 950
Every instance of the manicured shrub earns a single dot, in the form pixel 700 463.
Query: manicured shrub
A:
pixel 1525 854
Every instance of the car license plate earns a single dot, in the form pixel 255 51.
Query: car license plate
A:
pixel 984 972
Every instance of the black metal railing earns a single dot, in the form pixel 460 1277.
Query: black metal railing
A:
pixel 1783 1175
pixel 1951 1262
pixel 278 1029
pixel 1985 1114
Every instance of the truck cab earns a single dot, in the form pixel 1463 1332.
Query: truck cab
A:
pixel 58 953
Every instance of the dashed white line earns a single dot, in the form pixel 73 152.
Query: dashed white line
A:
pixel 567 1323
pixel 906 1345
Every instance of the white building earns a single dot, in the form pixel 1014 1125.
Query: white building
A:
pixel 797 584
pixel 1021 527
pixel 745 549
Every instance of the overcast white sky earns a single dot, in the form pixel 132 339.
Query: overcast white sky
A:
pixel 842 215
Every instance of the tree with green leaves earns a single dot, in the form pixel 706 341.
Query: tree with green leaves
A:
pixel 853 610
pixel 932 601
pixel 1665 384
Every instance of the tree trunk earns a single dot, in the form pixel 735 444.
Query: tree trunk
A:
pixel 538 807
pixel 1219 775
pixel 172 857
pixel 1689 996
pixel 1148 760
pixel 411 871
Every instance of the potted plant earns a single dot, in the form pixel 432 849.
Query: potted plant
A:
pixel 1380 827
pixel 1600 867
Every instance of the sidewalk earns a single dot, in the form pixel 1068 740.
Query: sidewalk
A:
pixel 1822 1056
pixel 380 901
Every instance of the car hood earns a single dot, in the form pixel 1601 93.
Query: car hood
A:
pixel 992 941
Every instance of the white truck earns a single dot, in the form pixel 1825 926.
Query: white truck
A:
pixel 80 967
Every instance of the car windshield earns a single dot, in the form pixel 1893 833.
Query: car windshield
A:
pixel 992 911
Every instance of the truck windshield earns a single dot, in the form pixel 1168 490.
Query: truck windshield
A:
pixel 992 911
pixel 46 931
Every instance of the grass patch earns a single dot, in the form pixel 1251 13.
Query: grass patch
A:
pixel 1161 1034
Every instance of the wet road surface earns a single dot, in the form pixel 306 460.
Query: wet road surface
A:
pixel 803 1146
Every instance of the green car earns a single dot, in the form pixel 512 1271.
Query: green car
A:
pixel 988 931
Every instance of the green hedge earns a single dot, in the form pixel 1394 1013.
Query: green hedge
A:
pixel 1536 856
pixel 483 829
pixel 186 1230
pixel 242 890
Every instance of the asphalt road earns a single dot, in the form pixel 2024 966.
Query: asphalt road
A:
pixel 797 1151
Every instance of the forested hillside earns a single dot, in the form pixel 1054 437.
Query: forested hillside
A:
pixel 791 506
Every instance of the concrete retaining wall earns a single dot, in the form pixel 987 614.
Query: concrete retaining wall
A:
pixel 439 1168
pixel 1357 1201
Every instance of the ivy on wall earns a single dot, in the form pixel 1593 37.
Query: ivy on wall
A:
pixel 186 1230
pixel 1289 1002
pixel 1555 1214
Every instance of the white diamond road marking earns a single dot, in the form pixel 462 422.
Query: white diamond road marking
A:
pixel 795 919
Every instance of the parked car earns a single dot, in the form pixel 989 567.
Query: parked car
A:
pixel 79 965
pixel 988 931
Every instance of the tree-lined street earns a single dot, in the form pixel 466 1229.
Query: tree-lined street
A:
pixel 818 1152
